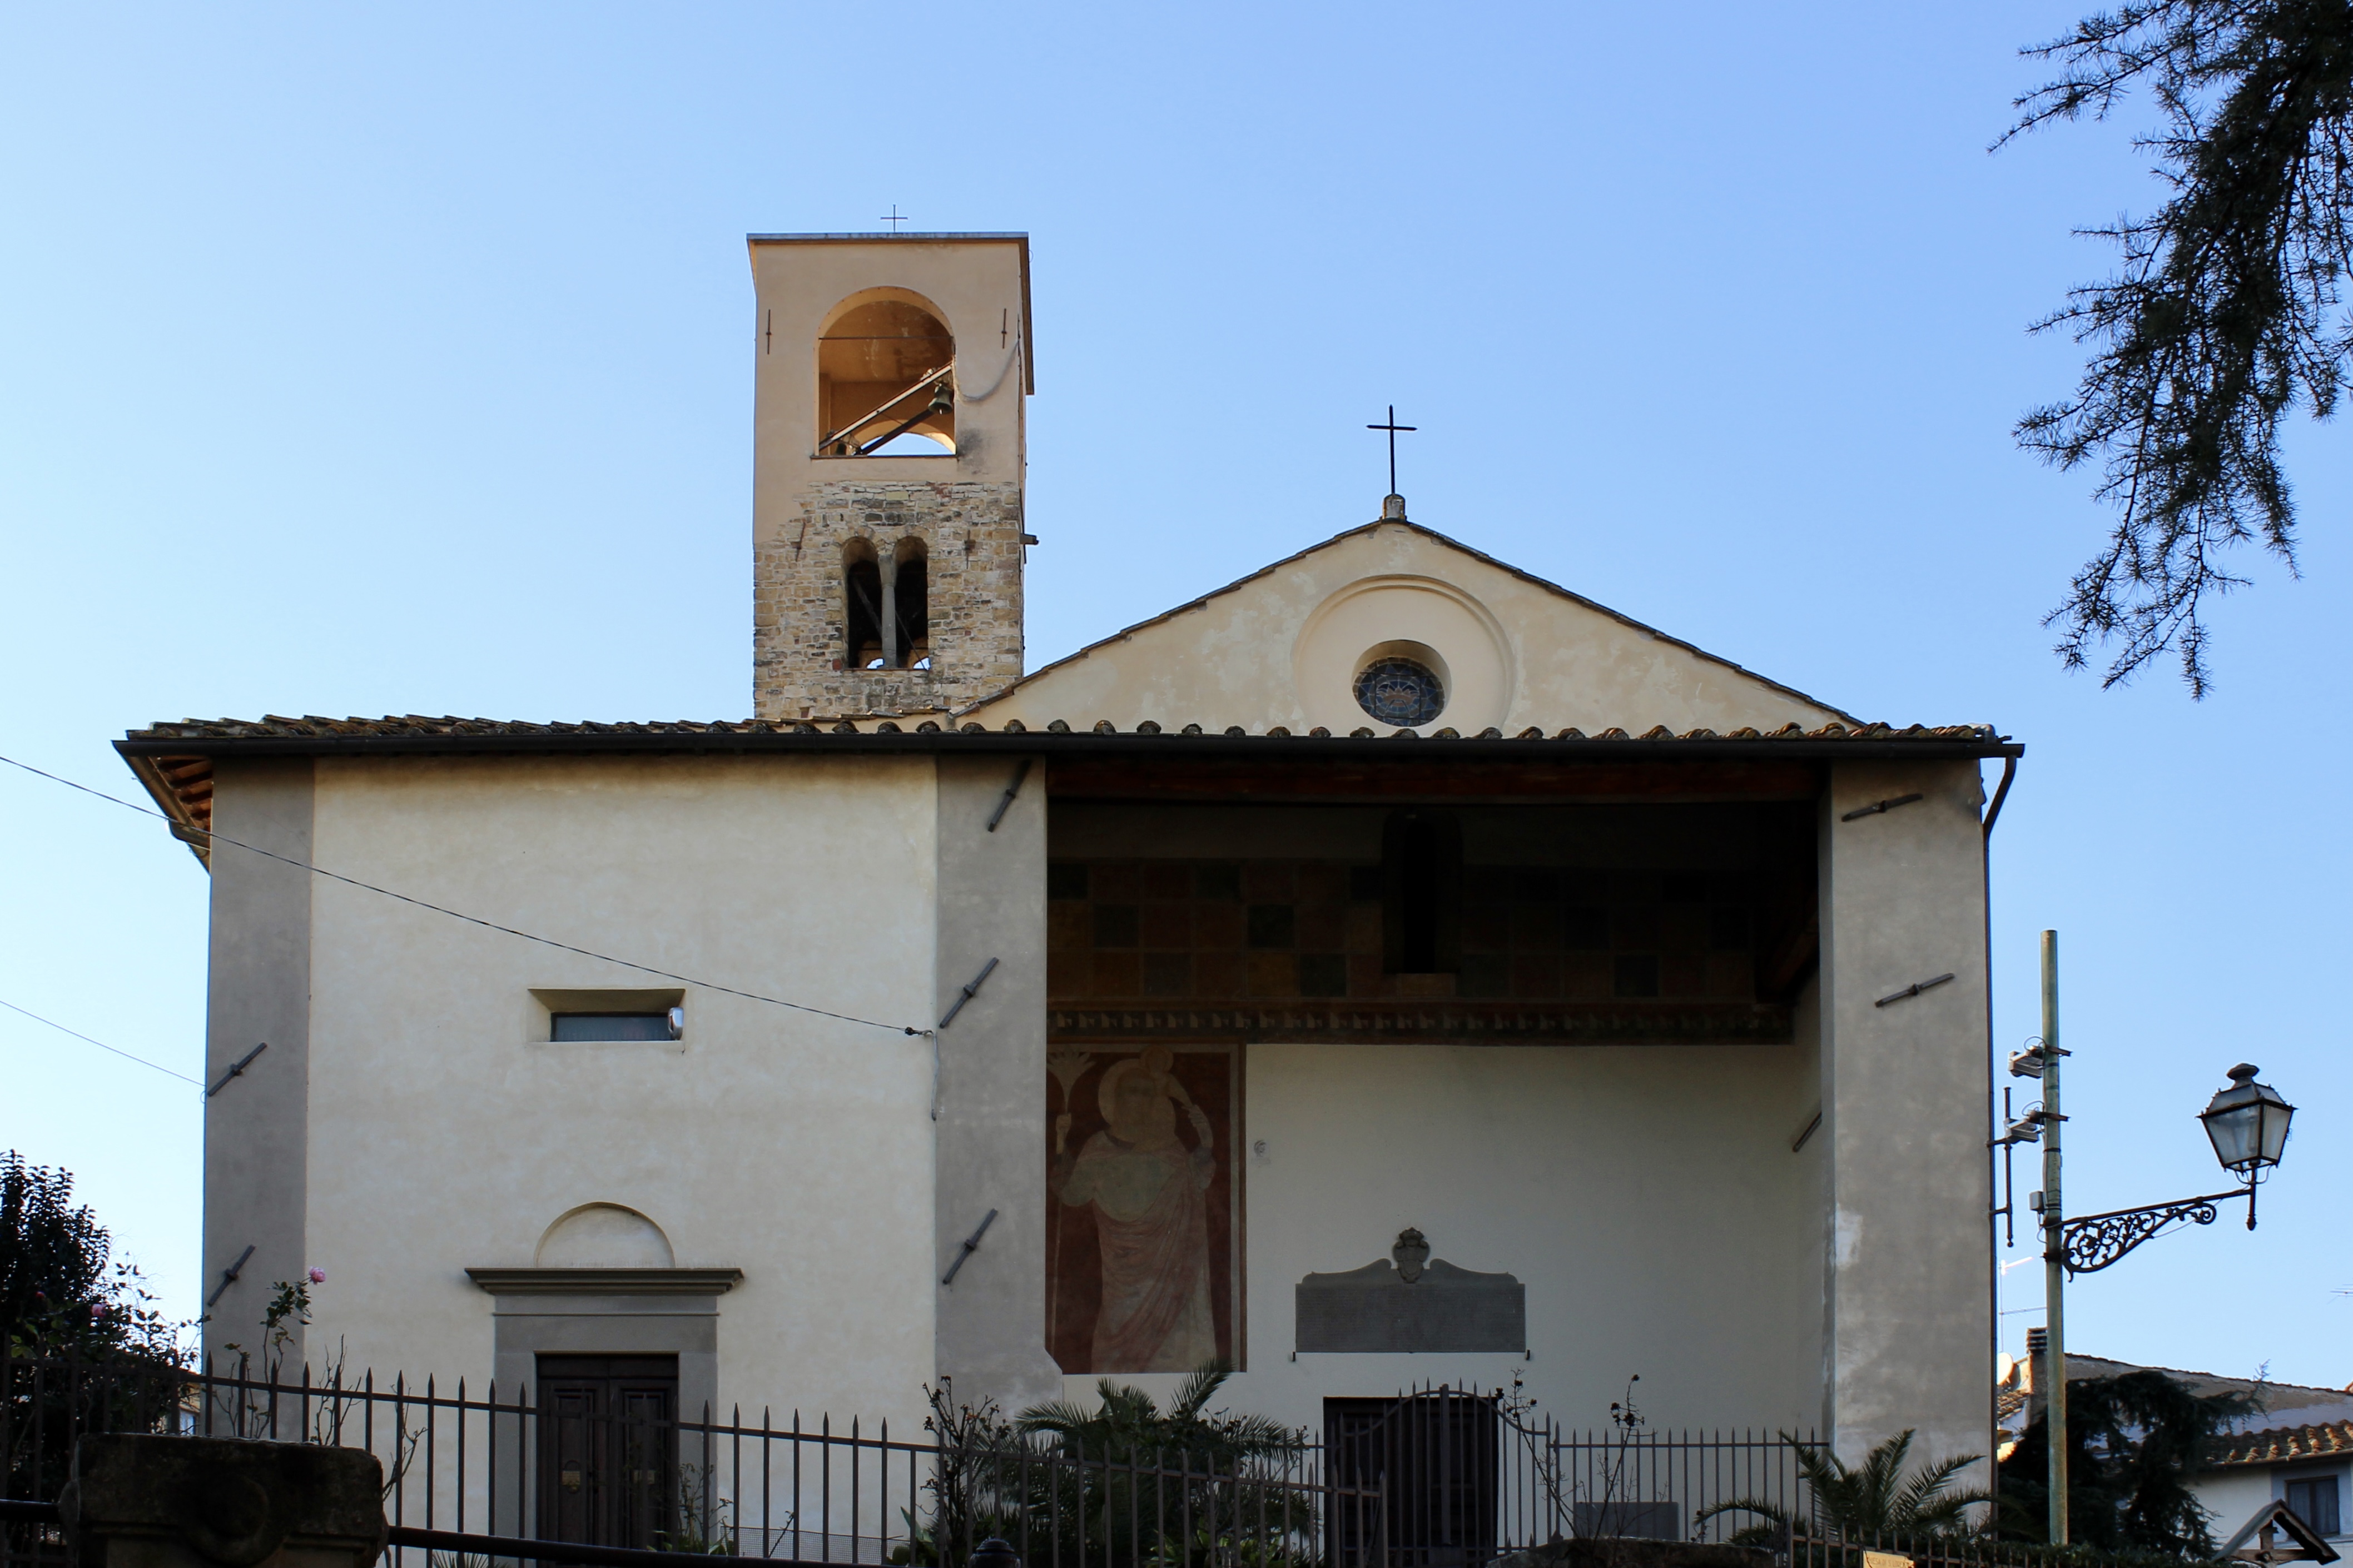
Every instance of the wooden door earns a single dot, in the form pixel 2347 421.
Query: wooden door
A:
pixel 607 1449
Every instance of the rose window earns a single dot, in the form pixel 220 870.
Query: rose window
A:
pixel 1400 691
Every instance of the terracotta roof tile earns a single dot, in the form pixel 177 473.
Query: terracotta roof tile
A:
pixel 2321 1439
pixel 417 727
pixel 175 761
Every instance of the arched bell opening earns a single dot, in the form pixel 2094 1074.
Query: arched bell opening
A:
pixel 887 610
pixel 862 586
pixel 885 379
pixel 908 638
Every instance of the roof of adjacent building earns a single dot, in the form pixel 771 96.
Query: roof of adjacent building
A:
pixel 2284 1445
pixel 2292 1421
pixel 2280 1396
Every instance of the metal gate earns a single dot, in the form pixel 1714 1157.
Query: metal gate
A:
pixel 1434 1455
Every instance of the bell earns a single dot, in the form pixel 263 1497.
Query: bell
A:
pixel 944 402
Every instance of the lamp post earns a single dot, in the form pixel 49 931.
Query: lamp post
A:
pixel 2247 1122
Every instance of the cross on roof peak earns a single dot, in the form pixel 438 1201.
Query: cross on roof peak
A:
pixel 1392 427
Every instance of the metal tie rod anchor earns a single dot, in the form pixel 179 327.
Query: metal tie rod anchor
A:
pixel 228 1278
pixel 969 992
pixel 239 1070
pixel 1912 990
pixel 1010 791
pixel 971 1245
pixel 981 979
pixel 1890 804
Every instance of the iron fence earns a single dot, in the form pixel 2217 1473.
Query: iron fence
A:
pixel 1435 1478
pixel 506 1465
pixel 1468 1475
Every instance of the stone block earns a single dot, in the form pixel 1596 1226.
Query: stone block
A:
pixel 971 536
pixel 1438 1307
pixel 145 1502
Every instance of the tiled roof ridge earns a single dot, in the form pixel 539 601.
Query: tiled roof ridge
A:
pixel 1451 543
pixel 419 726
pixel 2278 1445
pixel 2075 1358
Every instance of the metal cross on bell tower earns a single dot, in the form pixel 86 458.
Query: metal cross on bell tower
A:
pixel 1392 504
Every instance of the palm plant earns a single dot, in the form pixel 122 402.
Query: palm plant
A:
pixel 1146 1487
pixel 1129 1427
pixel 1874 1499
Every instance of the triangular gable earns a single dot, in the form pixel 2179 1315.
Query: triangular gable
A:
pixel 1284 646
pixel 2271 1520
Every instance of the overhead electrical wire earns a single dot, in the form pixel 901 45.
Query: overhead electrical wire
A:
pixel 102 1044
pixel 458 914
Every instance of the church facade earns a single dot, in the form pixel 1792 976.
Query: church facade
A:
pixel 1389 969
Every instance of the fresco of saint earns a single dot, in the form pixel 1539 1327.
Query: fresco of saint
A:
pixel 1148 1192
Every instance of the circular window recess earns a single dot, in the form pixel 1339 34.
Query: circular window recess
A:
pixel 1401 684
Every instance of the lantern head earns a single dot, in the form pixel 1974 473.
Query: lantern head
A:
pixel 2247 1123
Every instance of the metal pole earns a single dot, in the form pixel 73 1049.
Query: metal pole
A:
pixel 2054 1249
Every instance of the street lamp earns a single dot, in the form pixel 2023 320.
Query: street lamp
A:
pixel 2247 1124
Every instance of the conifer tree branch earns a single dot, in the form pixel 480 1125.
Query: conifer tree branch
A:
pixel 2225 318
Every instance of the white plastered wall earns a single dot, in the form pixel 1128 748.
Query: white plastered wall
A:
pixel 1906 1090
pixel 446 1131
pixel 2233 1496
pixel 1646 1197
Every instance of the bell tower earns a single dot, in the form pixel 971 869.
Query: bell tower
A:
pixel 887 531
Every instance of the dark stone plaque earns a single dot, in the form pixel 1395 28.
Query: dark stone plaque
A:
pixel 1411 1306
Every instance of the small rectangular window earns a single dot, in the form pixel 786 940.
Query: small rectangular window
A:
pixel 2313 1499
pixel 612 1027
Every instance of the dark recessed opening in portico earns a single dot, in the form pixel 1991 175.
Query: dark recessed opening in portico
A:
pixel 1421 863
pixel 1604 920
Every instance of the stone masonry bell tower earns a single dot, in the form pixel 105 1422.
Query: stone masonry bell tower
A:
pixel 887 540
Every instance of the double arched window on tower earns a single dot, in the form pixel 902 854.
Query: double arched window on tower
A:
pixel 886 615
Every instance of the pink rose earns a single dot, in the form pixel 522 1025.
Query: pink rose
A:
pixel 317 1277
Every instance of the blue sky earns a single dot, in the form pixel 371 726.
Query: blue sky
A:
pixel 367 360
